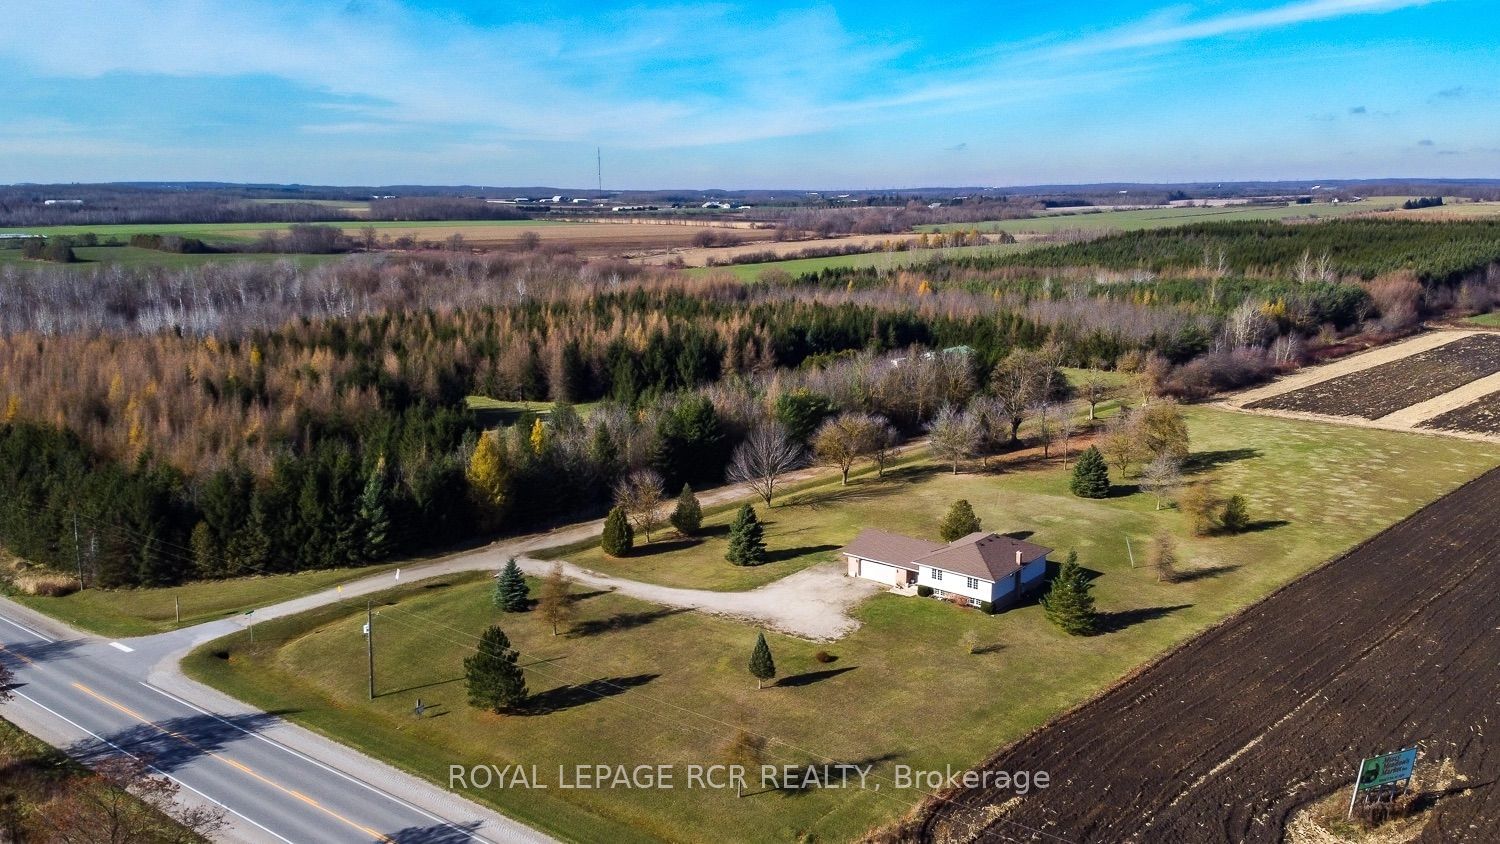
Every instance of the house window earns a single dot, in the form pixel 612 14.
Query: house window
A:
pixel 937 574
pixel 972 582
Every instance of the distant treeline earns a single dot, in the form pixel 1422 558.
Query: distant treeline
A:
pixel 1433 251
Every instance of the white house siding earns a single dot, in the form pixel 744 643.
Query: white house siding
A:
pixel 955 584
pixel 871 570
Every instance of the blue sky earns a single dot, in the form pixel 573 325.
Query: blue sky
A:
pixel 739 95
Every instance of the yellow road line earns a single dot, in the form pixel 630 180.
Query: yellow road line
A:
pixel 232 763
pixel 22 657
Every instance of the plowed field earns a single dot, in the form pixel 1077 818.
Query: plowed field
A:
pixel 1395 643
pixel 1482 417
pixel 1384 389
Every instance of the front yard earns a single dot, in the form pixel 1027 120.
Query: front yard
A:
pixel 639 684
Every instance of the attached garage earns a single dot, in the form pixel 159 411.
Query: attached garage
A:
pixel 881 572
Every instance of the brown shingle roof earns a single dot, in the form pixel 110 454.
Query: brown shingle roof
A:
pixel 988 556
pixel 890 548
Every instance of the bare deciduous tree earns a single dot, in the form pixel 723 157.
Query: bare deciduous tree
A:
pixel 642 495
pixel 1094 388
pixel 1161 476
pixel 763 458
pixel 954 434
pixel 1044 425
pixel 844 439
pixel 887 440
pixel 121 802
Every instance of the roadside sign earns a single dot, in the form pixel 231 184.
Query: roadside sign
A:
pixel 1387 769
pixel 1379 775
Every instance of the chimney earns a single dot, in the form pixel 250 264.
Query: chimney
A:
pixel 1018 556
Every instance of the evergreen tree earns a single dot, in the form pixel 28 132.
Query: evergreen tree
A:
pixel 605 458
pixel 511 592
pixel 690 444
pixel 618 537
pixel 762 666
pixel 1068 603
pixel 1236 515
pixel 1090 475
pixel 688 516
pixel 959 522
pixel 494 680
pixel 374 514
pixel 747 545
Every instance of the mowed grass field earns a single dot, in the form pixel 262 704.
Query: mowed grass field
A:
pixel 142 612
pixel 1157 218
pixel 883 260
pixel 637 684
pixel 94 256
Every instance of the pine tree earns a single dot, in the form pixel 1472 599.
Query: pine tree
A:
pixel 618 537
pixel 1090 475
pixel 1068 603
pixel 688 517
pixel 494 680
pixel 762 666
pixel 1236 515
pixel 374 516
pixel 511 592
pixel 747 545
pixel 959 522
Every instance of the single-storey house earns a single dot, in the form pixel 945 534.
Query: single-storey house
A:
pixel 988 569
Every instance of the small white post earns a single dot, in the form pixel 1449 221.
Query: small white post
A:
pixel 1358 772
pixel 1130 552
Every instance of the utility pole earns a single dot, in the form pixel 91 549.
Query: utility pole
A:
pixel 599 166
pixel 370 641
pixel 177 607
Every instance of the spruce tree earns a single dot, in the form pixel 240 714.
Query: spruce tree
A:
pixel 762 666
pixel 494 680
pixel 1090 475
pixel 747 545
pixel 374 516
pixel 959 522
pixel 511 592
pixel 618 537
pixel 1236 515
pixel 688 516
pixel 1068 603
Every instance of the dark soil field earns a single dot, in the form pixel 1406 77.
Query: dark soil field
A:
pixel 1394 644
pixel 1481 416
pixel 1384 389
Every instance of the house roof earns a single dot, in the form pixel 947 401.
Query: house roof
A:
pixel 890 548
pixel 988 556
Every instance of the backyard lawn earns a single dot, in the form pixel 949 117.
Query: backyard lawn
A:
pixel 633 683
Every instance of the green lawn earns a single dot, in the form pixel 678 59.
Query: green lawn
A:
pixel 1155 218
pixel 676 681
pixel 885 260
pixel 492 412
pixel 93 256
pixel 232 232
pixel 141 612
pixel 1489 320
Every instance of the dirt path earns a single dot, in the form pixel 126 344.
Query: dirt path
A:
pixel 1391 645
pixel 1344 366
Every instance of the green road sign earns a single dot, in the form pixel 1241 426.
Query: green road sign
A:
pixel 1384 770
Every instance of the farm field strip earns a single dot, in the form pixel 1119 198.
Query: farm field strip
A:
pixel 1347 365
pixel 1391 644
pixel 1382 390
pixel 1479 416
pixel 1453 400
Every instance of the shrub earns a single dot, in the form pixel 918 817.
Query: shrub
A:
pixel 1200 503
pixel 688 516
pixel 959 522
pixel 1236 514
pixel 987 607
pixel 45 585
pixel 924 591
pixel 824 657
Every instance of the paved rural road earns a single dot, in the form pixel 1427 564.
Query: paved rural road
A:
pixel 279 782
